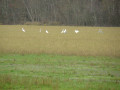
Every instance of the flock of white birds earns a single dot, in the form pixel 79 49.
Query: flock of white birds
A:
pixel 65 31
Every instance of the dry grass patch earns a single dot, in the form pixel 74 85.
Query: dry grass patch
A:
pixel 87 42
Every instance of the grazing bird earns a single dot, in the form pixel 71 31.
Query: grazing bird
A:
pixel 46 31
pixel 100 31
pixel 40 29
pixel 64 31
pixel 23 30
pixel 76 31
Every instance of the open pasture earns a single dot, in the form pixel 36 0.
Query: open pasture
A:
pixel 33 60
pixel 56 72
pixel 88 42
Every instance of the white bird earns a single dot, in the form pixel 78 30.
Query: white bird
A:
pixel 65 31
pixel 40 29
pixel 76 31
pixel 62 31
pixel 46 31
pixel 100 31
pixel 23 30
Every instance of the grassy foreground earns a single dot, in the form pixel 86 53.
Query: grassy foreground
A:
pixel 88 42
pixel 55 72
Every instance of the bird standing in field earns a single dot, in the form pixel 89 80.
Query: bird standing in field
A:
pixel 40 29
pixel 76 31
pixel 46 31
pixel 23 30
pixel 64 31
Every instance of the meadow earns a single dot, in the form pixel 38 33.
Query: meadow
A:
pixel 88 42
pixel 39 61
pixel 56 72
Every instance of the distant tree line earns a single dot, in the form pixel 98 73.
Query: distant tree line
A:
pixel 61 12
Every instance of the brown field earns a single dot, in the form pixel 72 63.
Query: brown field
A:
pixel 88 42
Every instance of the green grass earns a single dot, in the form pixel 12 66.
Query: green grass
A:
pixel 57 72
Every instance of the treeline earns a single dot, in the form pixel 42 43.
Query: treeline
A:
pixel 61 12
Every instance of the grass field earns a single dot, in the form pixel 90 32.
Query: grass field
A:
pixel 88 42
pixel 38 61
pixel 55 72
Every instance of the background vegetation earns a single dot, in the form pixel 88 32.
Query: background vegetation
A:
pixel 61 12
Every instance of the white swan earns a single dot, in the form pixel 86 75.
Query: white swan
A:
pixel 23 30
pixel 76 31
pixel 46 31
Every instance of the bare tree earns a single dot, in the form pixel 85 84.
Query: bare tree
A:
pixel 61 12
